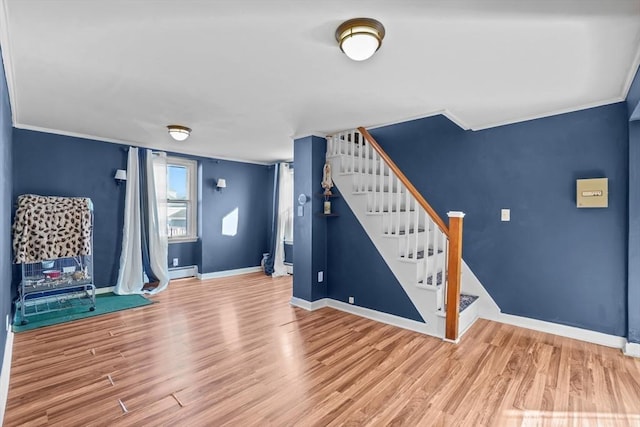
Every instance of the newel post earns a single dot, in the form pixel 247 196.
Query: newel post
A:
pixel 454 264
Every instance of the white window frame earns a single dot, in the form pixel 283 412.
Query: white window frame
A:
pixel 192 202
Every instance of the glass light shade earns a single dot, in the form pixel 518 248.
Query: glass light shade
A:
pixel 221 183
pixel 179 133
pixel 360 46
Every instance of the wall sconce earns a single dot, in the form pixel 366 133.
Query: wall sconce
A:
pixel 221 183
pixel 120 176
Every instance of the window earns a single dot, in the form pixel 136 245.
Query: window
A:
pixel 181 199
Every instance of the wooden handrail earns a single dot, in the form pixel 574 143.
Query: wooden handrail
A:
pixel 414 192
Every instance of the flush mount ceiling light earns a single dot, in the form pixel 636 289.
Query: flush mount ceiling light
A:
pixel 179 133
pixel 360 38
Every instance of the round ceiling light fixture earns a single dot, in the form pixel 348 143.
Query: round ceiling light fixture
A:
pixel 360 38
pixel 178 132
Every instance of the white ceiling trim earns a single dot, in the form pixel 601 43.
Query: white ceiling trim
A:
pixel 448 114
pixel 133 144
pixel 632 73
pixel 552 113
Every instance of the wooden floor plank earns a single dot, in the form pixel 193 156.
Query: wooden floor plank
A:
pixel 232 351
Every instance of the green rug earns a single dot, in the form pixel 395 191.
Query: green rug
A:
pixel 105 303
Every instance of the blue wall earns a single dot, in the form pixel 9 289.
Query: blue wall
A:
pixel 552 262
pixel 357 268
pixel 633 281
pixel 5 211
pixel 309 230
pixel 52 164
pixel 57 165
pixel 248 190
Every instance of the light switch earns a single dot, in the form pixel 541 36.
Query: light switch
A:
pixel 505 215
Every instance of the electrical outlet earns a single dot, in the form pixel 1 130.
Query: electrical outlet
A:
pixel 320 276
pixel 352 300
pixel 175 262
pixel 505 215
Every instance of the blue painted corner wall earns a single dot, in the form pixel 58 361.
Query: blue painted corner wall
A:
pixel 633 257
pixel 552 261
pixel 5 210
pixel 309 230
pixel 60 165
pixel 248 192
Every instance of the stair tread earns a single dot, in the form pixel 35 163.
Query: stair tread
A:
pixel 466 301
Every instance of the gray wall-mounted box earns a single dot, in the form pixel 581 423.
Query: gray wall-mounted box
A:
pixel 592 193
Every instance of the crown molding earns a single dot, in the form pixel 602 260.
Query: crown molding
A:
pixel 134 144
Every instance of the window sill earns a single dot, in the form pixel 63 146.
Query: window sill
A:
pixel 182 240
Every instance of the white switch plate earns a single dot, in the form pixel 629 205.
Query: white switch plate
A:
pixel 175 262
pixel 320 276
pixel 505 215
pixel 352 300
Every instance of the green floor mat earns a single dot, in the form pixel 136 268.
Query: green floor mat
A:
pixel 105 303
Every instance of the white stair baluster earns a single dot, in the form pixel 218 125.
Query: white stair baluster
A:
pixel 407 223
pixel 396 216
pixel 425 241
pixel 353 152
pixel 360 164
pixel 381 185
pixel 372 179
pixel 415 228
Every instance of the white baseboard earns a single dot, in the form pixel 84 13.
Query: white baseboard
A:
pixel 378 316
pixel 308 305
pixel 631 349
pixel 174 273
pixel 562 330
pixel 368 313
pixel 182 272
pixel 227 273
pixel 6 373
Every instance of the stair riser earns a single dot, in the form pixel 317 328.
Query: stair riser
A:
pixel 390 219
pixel 385 205
pixel 408 245
pixel 362 183
pixel 346 152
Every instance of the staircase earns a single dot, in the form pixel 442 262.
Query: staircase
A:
pixel 412 239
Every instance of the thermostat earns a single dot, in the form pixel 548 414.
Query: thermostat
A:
pixel 592 193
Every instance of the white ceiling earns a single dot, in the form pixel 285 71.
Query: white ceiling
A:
pixel 248 76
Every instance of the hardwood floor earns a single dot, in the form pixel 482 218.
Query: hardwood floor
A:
pixel 233 351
